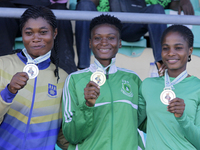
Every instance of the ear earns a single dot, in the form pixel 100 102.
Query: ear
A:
pixel 120 43
pixel 190 50
pixel 55 33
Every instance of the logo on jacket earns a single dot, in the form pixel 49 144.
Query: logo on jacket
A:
pixel 126 88
pixel 52 90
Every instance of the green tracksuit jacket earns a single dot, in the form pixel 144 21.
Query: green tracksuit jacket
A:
pixel 112 123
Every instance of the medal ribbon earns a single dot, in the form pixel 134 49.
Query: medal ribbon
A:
pixel 169 85
pixel 36 60
pixel 100 67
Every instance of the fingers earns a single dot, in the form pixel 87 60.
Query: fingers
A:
pixel 176 106
pixel 17 82
pixel 186 7
pixel 91 93
pixel 161 70
pixel 91 83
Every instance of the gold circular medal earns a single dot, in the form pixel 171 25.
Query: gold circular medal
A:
pixel 32 70
pixel 98 77
pixel 166 96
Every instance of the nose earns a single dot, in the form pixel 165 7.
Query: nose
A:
pixel 36 37
pixel 171 52
pixel 104 41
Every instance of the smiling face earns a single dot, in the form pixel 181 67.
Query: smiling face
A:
pixel 38 37
pixel 175 52
pixel 105 42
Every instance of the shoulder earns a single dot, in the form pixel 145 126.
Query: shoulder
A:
pixel 153 80
pixel 77 75
pixel 9 61
pixel 128 72
pixel 9 57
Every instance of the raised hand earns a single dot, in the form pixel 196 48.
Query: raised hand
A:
pixel 17 82
pixel 91 92
pixel 176 106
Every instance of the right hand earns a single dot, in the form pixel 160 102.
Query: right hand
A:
pixel 91 92
pixel 161 68
pixel 186 7
pixel 17 82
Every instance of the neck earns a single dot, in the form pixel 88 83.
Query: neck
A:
pixel 105 63
pixel 174 73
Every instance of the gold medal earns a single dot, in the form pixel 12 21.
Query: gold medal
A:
pixel 166 96
pixel 32 70
pixel 98 77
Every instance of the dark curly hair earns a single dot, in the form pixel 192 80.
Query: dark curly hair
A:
pixel 106 19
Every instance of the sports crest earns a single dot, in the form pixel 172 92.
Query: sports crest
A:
pixel 126 88
pixel 52 90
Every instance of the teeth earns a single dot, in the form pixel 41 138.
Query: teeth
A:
pixel 104 49
pixel 172 60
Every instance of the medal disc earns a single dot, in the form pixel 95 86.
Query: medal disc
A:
pixel 166 96
pixel 98 77
pixel 32 70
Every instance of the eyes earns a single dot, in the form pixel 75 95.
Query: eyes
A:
pixel 99 38
pixel 41 32
pixel 167 48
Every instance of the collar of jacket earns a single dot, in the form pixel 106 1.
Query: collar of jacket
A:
pixel 112 68
pixel 43 65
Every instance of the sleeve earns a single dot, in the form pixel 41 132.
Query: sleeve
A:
pixel 6 99
pixel 163 3
pixel 141 110
pixel 191 130
pixel 77 118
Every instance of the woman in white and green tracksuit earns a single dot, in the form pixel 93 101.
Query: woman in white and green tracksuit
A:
pixel 102 117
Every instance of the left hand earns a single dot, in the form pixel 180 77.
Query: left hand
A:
pixel 186 7
pixel 176 106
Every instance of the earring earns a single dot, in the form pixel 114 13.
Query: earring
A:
pixel 189 58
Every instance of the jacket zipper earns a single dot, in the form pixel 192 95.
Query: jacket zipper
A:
pixel 30 114
pixel 112 115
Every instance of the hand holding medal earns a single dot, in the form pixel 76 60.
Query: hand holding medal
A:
pixel 177 107
pixel 17 82
pixel 91 93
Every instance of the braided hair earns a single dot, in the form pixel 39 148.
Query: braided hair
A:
pixel 106 19
pixel 184 31
pixel 35 12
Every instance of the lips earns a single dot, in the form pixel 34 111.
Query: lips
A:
pixel 38 47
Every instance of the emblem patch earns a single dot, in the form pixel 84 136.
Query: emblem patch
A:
pixel 126 88
pixel 52 90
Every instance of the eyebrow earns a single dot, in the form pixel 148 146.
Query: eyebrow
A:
pixel 174 44
pixel 28 28
pixel 100 33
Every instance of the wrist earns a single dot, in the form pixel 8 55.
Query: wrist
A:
pixel 88 104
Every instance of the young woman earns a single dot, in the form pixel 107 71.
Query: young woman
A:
pixel 31 86
pixel 100 102
pixel 172 103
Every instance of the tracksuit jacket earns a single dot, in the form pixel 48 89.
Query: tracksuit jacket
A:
pixel 112 123
pixel 30 119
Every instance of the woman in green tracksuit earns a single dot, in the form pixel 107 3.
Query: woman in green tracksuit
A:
pixel 100 103
pixel 172 103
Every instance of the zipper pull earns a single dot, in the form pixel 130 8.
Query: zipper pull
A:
pixel 107 76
